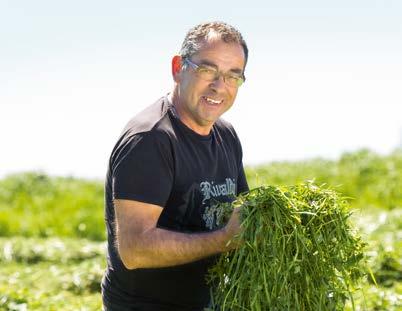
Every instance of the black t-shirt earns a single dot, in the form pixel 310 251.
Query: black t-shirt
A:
pixel 161 161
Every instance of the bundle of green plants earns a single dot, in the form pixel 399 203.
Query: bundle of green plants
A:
pixel 297 251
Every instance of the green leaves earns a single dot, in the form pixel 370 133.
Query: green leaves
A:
pixel 50 274
pixel 37 205
pixel 299 252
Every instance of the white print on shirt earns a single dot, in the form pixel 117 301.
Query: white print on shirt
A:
pixel 209 189
pixel 212 214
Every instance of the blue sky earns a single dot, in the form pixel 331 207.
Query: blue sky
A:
pixel 324 77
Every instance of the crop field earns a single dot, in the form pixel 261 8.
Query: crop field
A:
pixel 52 235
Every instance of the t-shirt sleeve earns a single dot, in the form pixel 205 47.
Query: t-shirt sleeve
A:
pixel 143 169
pixel 242 185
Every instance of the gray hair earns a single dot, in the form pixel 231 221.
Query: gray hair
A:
pixel 204 32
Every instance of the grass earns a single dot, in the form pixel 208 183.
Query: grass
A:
pixel 52 230
pixel 382 230
pixel 298 252
pixel 370 180
pixel 64 273
pixel 34 204
pixel 50 274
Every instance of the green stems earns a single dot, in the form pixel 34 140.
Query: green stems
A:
pixel 297 252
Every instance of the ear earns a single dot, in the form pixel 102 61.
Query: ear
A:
pixel 176 67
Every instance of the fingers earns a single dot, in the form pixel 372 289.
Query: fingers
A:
pixel 233 230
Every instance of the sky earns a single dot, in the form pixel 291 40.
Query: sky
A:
pixel 323 77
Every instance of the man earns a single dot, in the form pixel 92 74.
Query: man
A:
pixel 172 166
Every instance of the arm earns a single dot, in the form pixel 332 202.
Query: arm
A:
pixel 142 245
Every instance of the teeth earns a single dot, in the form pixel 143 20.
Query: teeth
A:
pixel 212 101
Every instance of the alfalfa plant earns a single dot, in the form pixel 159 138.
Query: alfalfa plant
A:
pixel 298 251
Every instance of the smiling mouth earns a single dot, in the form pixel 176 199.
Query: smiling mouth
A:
pixel 212 101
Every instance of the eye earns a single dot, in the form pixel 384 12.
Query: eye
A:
pixel 233 78
pixel 206 70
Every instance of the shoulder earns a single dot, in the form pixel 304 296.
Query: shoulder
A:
pixel 226 133
pixel 225 129
pixel 153 117
pixel 148 129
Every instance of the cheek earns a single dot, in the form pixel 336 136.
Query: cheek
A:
pixel 232 95
pixel 197 89
pixel 190 87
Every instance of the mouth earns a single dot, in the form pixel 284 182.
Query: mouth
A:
pixel 211 101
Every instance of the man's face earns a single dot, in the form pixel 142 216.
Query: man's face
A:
pixel 202 102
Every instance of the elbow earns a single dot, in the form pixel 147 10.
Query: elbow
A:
pixel 127 257
pixel 132 258
pixel 132 251
pixel 127 261
pixel 124 251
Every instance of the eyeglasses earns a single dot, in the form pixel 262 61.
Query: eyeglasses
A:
pixel 209 73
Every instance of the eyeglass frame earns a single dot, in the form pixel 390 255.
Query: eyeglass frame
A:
pixel 218 73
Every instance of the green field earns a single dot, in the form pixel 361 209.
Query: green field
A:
pixel 52 232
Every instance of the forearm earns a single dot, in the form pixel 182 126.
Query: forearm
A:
pixel 158 247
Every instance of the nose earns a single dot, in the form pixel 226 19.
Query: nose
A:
pixel 218 82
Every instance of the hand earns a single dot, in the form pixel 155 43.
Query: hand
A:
pixel 232 230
